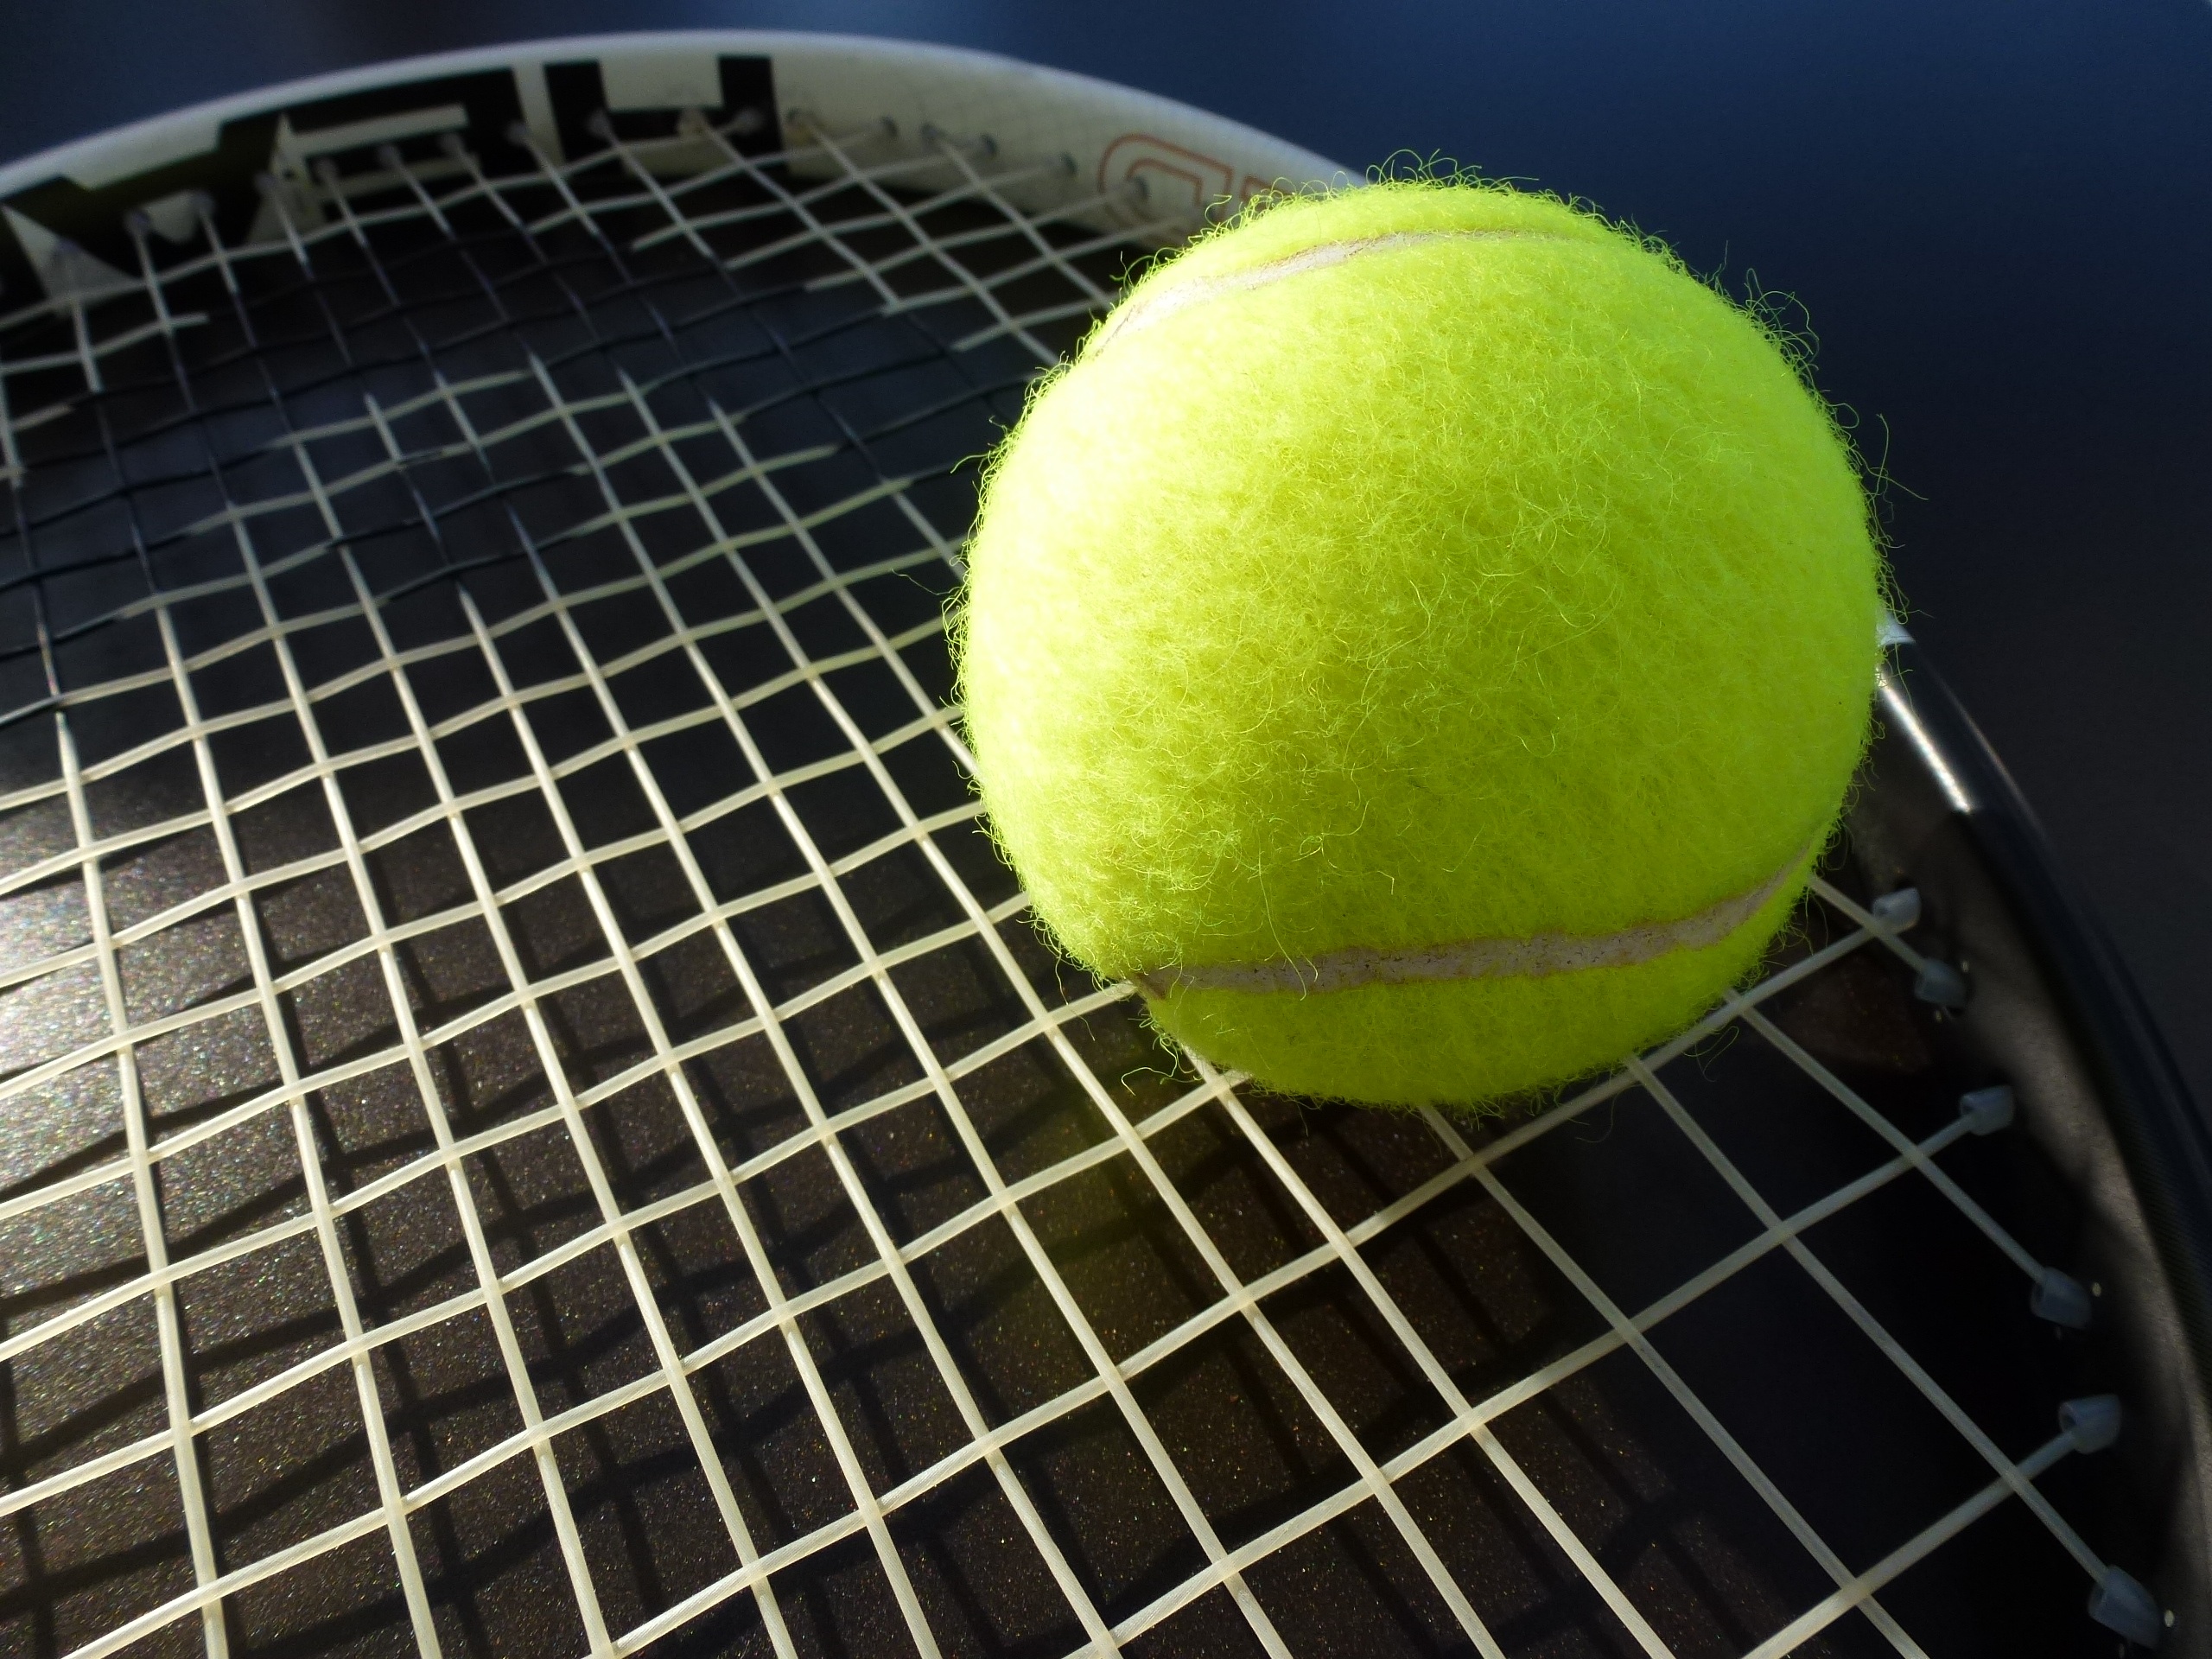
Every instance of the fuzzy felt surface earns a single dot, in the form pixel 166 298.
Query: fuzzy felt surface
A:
pixel 1419 564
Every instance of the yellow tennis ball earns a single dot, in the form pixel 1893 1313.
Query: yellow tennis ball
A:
pixel 1423 640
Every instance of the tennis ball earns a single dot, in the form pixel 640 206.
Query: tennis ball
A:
pixel 1423 640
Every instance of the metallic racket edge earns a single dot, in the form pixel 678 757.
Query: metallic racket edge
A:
pixel 2096 1083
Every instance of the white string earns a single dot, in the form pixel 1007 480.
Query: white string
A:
pixel 176 1388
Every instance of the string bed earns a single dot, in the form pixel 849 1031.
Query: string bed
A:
pixel 534 1121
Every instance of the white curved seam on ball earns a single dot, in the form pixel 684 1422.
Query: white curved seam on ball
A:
pixel 1129 318
pixel 1537 956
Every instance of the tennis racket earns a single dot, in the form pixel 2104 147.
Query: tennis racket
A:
pixel 532 1121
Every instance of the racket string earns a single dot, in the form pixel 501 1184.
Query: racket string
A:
pixel 924 1051
pixel 675 1381
pixel 553 597
pixel 493 1293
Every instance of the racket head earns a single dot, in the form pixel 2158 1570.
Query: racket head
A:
pixel 559 1134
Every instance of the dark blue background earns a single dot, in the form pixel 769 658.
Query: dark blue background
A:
pixel 1998 213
